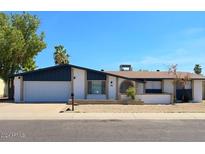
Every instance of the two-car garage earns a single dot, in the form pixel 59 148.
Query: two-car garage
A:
pixel 45 85
pixel 46 91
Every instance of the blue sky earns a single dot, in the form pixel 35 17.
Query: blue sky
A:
pixel 146 40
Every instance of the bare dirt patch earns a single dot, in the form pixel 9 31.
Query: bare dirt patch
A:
pixel 177 108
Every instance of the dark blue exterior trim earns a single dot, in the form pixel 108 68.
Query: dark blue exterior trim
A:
pixel 55 74
pixel 67 65
pixel 94 75
pixel 153 91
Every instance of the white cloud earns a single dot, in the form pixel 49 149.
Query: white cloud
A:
pixel 185 52
pixel 185 60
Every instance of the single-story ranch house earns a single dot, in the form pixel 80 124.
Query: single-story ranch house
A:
pixel 55 84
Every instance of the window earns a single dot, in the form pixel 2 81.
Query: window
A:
pixel 125 85
pixel 153 87
pixel 96 87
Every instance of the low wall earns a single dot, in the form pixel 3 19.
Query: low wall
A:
pixel 111 102
pixel 152 98
pixel 155 98
pixel 96 101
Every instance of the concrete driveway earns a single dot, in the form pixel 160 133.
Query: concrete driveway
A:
pixel 30 108
pixel 9 110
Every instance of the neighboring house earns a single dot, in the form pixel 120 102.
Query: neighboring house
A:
pixel 3 88
pixel 55 84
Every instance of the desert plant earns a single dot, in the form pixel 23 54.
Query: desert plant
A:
pixel 130 92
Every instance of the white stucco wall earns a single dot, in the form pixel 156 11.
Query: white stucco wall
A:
pixel 96 96
pixel 17 89
pixel 155 98
pixel 2 88
pixel 152 98
pixel 79 83
pixel 168 86
pixel 140 88
pixel 47 91
pixel 111 87
pixel 197 90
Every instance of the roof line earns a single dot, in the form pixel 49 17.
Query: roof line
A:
pixel 64 65
pixel 79 67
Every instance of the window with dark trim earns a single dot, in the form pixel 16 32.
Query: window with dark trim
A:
pixel 153 87
pixel 96 87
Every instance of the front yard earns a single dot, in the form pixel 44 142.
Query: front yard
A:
pixel 177 108
pixel 42 108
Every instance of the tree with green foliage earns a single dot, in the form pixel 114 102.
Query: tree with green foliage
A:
pixel 19 43
pixel 60 55
pixel 197 69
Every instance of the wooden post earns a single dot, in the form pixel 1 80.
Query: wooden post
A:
pixel 72 97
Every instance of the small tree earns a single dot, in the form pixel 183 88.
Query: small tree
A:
pixel 183 82
pixel 130 92
pixel 179 80
pixel 60 55
pixel 173 70
pixel 197 69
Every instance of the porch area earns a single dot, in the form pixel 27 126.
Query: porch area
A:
pixel 147 91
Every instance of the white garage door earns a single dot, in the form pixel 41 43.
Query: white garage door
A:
pixel 46 91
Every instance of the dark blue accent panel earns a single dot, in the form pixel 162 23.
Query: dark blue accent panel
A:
pixel 153 91
pixel 54 74
pixel 184 93
pixel 95 75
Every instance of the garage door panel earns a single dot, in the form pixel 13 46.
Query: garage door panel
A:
pixel 46 91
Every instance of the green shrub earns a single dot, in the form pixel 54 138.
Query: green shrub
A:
pixel 130 92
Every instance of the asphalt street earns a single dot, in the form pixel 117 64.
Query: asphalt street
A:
pixel 102 130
